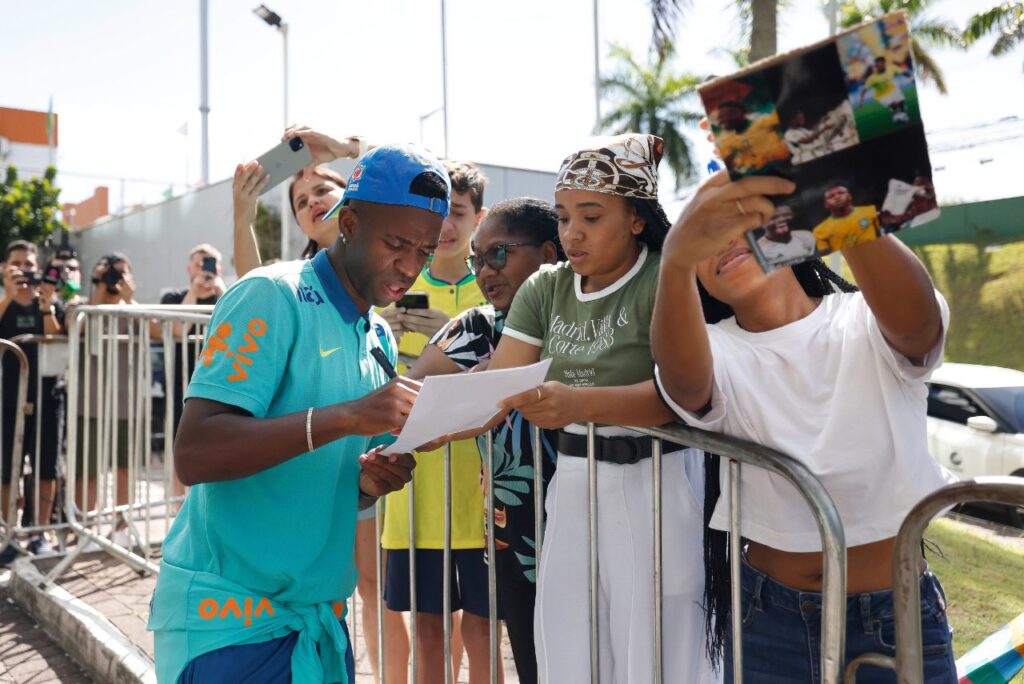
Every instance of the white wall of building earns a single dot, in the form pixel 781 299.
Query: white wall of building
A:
pixel 158 238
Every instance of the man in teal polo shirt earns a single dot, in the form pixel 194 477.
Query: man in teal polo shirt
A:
pixel 290 398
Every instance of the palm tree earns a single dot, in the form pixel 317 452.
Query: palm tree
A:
pixel 664 15
pixel 763 26
pixel 926 32
pixel 651 98
pixel 758 25
pixel 1007 19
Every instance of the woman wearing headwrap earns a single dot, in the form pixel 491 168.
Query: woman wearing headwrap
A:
pixel 591 315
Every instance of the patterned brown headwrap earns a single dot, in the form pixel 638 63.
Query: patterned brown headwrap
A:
pixel 624 165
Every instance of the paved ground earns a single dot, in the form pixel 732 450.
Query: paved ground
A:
pixel 27 654
pixel 123 597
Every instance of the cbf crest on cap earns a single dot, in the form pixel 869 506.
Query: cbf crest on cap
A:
pixel 385 175
pixel 625 165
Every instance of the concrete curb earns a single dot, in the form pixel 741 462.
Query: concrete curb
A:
pixel 87 636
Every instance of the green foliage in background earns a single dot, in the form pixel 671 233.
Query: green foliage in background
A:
pixel 1006 20
pixel 268 232
pixel 984 285
pixel 28 208
pixel 653 98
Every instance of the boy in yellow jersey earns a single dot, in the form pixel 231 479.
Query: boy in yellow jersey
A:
pixel 886 91
pixel 748 145
pixel 451 288
pixel 847 225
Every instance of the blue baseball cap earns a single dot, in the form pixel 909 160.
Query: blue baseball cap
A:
pixel 385 174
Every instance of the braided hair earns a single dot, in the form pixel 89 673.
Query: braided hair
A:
pixel 656 223
pixel 529 218
pixel 817 280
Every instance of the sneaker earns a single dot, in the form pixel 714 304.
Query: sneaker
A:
pixel 122 537
pixel 38 546
pixel 9 554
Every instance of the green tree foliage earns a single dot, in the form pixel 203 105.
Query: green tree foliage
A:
pixel 926 32
pixel 652 98
pixel 664 15
pixel 1006 20
pixel 268 232
pixel 28 208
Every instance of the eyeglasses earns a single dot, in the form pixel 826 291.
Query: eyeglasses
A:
pixel 496 257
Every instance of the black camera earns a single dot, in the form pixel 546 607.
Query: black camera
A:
pixel 210 264
pixel 32 278
pixel 54 275
pixel 112 276
pixel 296 144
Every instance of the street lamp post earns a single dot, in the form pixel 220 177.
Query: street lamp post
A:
pixel 274 20
pixel 424 117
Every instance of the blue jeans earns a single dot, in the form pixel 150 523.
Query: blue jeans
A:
pixel 782 633
pixel 268 662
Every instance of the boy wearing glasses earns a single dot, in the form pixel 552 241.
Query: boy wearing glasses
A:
pixel 452 289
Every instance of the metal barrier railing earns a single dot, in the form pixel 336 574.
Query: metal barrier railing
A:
pixel 833 544
pixel 738 452
pixel 110 357
pixel 909 660
pixel 9 517
pixel 45 414
pixel 114 483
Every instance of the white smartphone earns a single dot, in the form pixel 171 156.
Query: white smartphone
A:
pixel 284 161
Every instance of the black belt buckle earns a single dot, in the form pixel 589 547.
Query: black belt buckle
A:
pixel 623 450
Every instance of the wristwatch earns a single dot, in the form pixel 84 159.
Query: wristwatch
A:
pixel 366 500
pixel 360 141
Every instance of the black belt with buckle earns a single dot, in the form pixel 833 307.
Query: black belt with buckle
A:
pixel 621 450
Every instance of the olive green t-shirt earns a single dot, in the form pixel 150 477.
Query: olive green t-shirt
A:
pixel 595 339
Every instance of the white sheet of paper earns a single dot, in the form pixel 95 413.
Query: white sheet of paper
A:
pixel 463 401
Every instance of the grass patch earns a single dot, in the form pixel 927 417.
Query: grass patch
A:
pixel 984 286
pixel 982 580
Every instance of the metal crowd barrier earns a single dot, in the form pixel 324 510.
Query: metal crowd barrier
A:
pixel 110 357
pixel 115 482
pixel 909 660
pixel 9 517
pixel 51 364
pixel 738 453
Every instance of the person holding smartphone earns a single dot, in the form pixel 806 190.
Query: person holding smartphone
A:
pixel 312 191
pixel 27 307
pixel 206 285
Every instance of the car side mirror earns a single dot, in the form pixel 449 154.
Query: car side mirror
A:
pixel 982 424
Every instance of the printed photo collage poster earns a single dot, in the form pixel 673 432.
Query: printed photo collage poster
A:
pixel 841 120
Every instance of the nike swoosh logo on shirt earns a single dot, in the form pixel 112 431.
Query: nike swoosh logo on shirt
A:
pixel 325 353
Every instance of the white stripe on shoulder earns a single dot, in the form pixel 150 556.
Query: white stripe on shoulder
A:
pixel 522 337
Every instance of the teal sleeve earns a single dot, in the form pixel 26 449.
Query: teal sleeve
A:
pixel 527 315
pixel 247 348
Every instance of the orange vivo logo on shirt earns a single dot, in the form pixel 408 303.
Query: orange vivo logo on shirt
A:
pixel 218 342
pixel 209 609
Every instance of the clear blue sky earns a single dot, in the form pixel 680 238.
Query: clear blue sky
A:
pixel 124 75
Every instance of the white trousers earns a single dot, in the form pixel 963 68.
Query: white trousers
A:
pixel 626 574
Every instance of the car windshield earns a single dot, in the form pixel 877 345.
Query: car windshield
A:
pixel 1008 402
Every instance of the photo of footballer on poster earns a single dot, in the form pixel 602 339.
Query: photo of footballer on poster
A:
pixel 746 126
pixel 880 76
pixel 839 118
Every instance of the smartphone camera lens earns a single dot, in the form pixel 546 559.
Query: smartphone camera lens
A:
pixel 296 144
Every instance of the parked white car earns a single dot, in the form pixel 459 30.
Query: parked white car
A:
pixel 976 421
